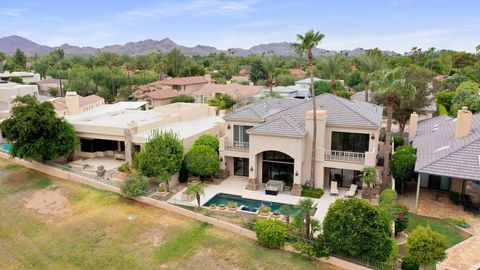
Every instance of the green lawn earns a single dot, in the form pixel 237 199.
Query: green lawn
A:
pixel 452 234
pixel 96 233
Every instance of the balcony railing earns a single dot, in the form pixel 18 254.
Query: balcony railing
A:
pixel 236 146
pixel 344 156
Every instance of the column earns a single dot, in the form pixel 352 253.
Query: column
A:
pixel 418 192
pixel 252 172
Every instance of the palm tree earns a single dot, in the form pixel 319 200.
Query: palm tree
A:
pixel 332 68
pixel 369 64
pixel 369 177
pixel 270 64
pixel 196 189
pixel 306 207
pixel 307 43
pixel 287 212
pixel 391 83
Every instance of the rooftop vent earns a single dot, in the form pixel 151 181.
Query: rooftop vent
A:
pixel 442 148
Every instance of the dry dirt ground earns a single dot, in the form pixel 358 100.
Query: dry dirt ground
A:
pixel 48 223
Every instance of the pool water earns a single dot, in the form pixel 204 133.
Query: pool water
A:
pixel 5 147
pixel 249 204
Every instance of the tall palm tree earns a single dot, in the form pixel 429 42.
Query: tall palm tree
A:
pixel 196 189
pixel 331 68
pixel 307 43
pixel 369 64
pixel 270 63
pixel 391 83
pixel 306 207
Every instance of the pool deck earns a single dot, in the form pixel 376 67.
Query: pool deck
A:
pixel 235 185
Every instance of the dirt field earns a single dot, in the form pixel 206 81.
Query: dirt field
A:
pixel 48 223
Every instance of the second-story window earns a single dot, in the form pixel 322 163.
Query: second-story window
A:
pixel 350 142
pixel 240 133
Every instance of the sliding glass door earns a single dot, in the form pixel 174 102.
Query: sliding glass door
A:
pixel 240 166
pixel 240 134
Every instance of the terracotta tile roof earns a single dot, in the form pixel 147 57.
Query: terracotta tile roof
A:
pixel 235 90
pixel 297 72
pixel 159 94
pixel 184 81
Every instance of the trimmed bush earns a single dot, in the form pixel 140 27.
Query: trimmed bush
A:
pixel 202 160
pixel 134 186
pixel 271 233
pixel 312 192
pixel 426 246
pixel 401 220
pixel 442 110
pixel 208 140
pixel 183 98
pixel 398 141
pixel 16 79
pixel 409 263
pixel 123 168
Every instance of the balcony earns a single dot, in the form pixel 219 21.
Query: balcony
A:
pixel 344 156
pixel 236 146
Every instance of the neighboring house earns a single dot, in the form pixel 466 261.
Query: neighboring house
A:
pixel 271 140
pixel 27 77
pixel 73 103
pixel 45 85
pixel 186 85
pixel 448 153
pixel 284 92
pixel 240 79
pixel 10 90
pixel 237 91
pixel 117 130
pixel 297 72
pixel 139 90
pixel 158 97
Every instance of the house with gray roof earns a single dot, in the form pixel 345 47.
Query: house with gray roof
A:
pixel 272 140
pixel 448 153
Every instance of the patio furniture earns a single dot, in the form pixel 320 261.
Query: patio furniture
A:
pixel 271 191
pixel 334 188
pixel 275 184
pixel 351 192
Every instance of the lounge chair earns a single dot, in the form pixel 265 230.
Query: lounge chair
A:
pixel 275 184
pixel 351 192
pixel 334 188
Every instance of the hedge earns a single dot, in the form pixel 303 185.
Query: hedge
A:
pixel 271 233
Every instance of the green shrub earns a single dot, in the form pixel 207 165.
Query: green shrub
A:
pixel 16 79
pixel 409 263
pixel 312 192
pixel 202 160
pixel 208 140
pixel 392 258
pixel 454 197
pixel 271 233
pixel 426 246
pixel 183 98
pixel 388 196
pixel 344 94
pixel 398 141
pixel 123 168
pixel 305 248
pixel 441 109
pixel 183 173
pixel 135 185
pixel 446 99
pixel 387 204
pixel 401 220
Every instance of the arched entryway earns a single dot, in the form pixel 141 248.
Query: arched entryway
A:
pixel 277 166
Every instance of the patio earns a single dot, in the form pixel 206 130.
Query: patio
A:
pixel 235 185
pixel 90 165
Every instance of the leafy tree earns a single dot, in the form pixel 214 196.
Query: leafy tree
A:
pixel 222 101
pixel 451 83
pixel 125 92
pixel 369 177
pixel 56 58
pixel 306 43
pixel 468 86
pixel 79 81
pixel 351 223
pixel 354 79
pixel 183 98
pixel 306 207
pixel 271 233
pixel 403 164
pixel 109 60
pixel 446 99
pixel 368 64
pixel 135 185
pixel 161 157
pixel 196 189
pixel 322 87
pixel 208 140
pixel 202 161
pixel 35 132
pixel 19 60
pixel 258 71
pixel 285 79
pixel 391 84
pixel 463 59
pixel 331 68
pixel 426 246
pixel 142 63
pixel 287 211
pixel 174 62
pixel 52 91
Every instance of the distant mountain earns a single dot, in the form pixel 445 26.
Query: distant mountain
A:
pixel 11 43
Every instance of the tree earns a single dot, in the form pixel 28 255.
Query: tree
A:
pixel 270 64
pixel 369 177
pixel 426 246
pixel 142 63
pixel 202 161
pixel 124 92
pixel 391 84
pixel 257 71
pixel 368 64
pixel 36 133
pixel 468 86
pixel 306 207
pixel 53 91
pixel 222 101
pixel 331 68
pixel 173 62
pixel 109 60
pixel 271 233
pixel 285 79
pixel 19 60
pixel 354 79
pixel 56 58
pixel 403 164
pixel 307 43
pixel 196 189
pixel 354 227
pixel 287 212
pixel 208 140
pixel 322 87
pixel 183 98
pixel 161 157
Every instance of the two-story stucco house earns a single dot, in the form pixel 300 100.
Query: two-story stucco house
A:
pixel 272 140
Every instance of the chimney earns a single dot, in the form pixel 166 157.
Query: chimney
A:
pixel 72 100
pixel 229 82
pixel 208 77
pixel 250 83
pixel 412 126
pixel 464 123
pixel 321 126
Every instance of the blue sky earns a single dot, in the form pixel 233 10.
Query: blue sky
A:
pixel 390 24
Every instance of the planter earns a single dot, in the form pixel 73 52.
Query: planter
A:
pixel 221 207
pixel 232 209
pixel 265 214
pixel 212 206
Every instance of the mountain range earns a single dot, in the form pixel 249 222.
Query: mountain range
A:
pixel 9 44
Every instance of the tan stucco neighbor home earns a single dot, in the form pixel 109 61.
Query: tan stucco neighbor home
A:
pixel 73 103
pixel 158 97
pixel 186 85
pixel 271 140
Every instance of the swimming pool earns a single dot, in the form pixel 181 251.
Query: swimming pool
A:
pixel 248 204
pixel 5 147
